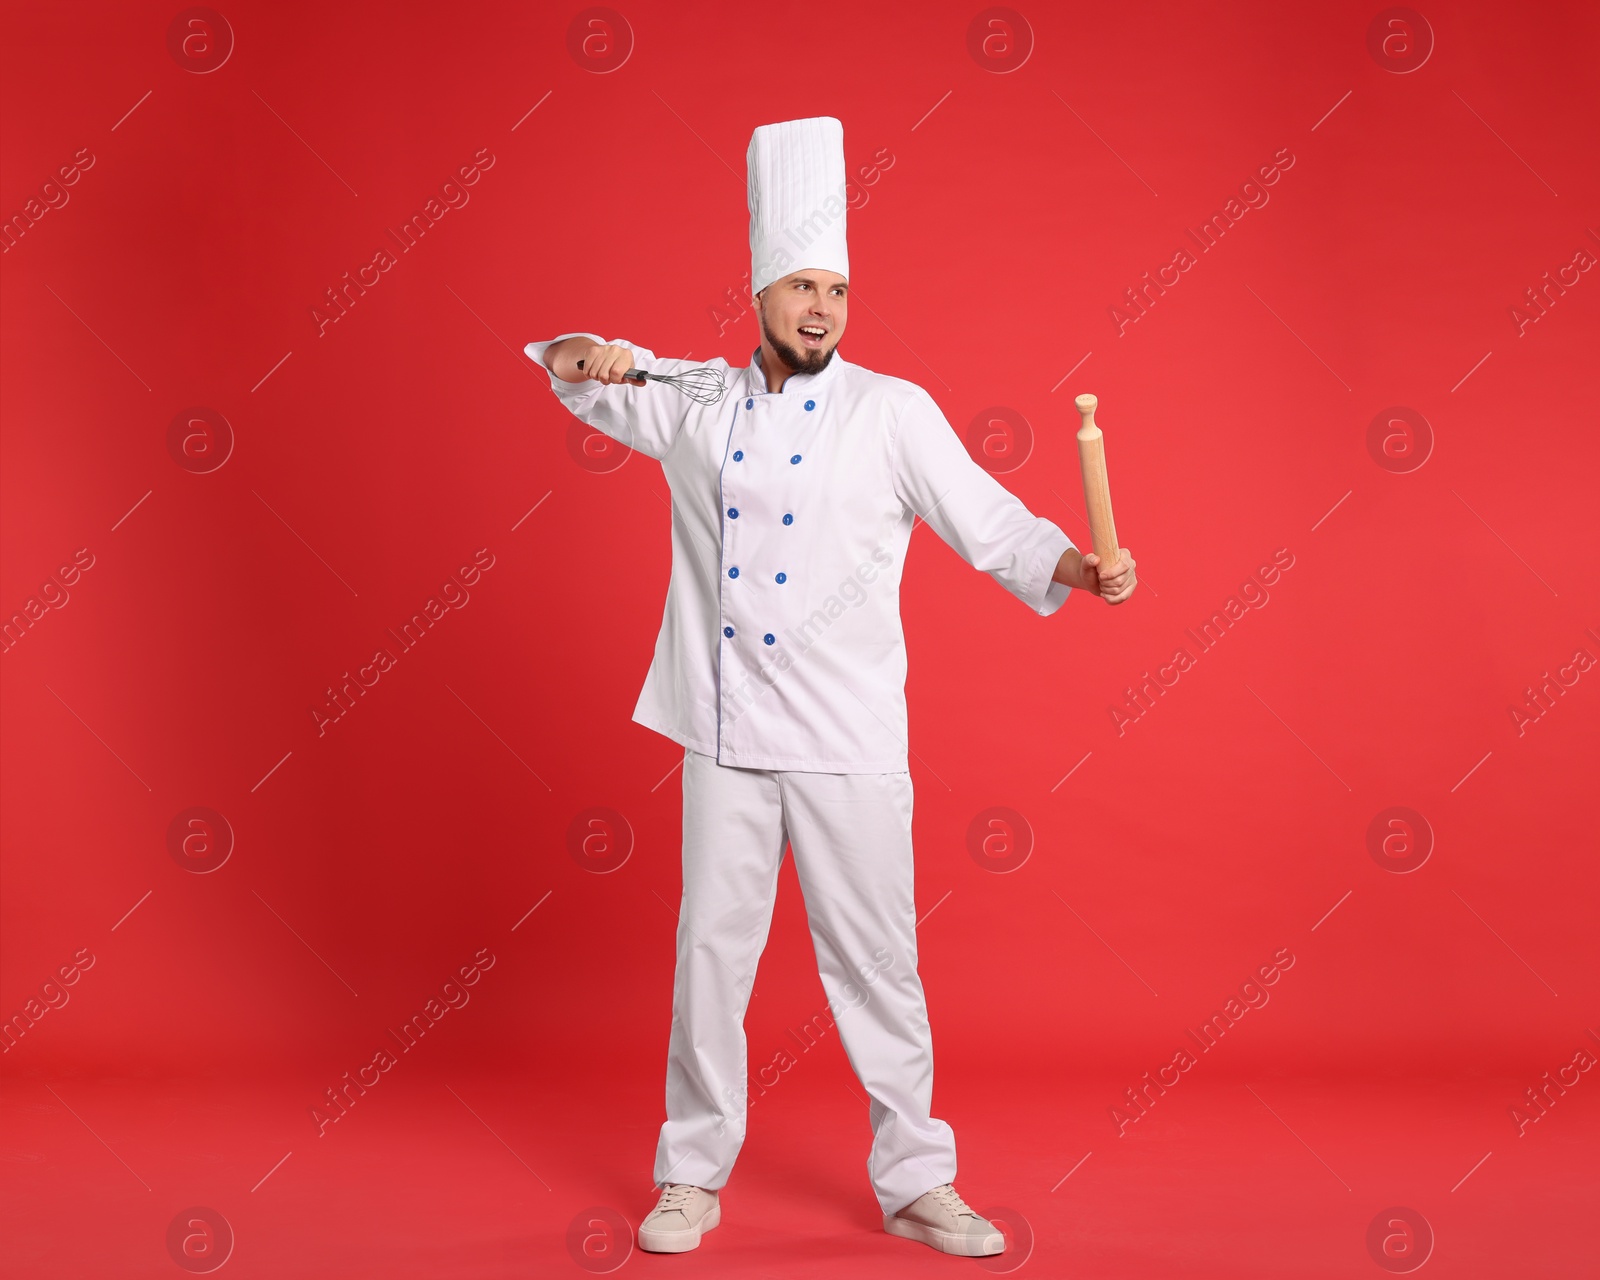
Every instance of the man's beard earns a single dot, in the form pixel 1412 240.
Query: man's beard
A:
pixel 798 359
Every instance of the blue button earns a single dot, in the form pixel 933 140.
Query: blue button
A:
pixel 727 631
pixel 796 458
pixel 749 404
pixel 787 518
pixel 738 455
pixel 733 513
pixel 810 405
pixel 783 577
pixel 733 572
pixel 770 638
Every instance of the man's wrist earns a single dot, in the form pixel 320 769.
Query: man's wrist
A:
pixel 560 358
pixel 1069 569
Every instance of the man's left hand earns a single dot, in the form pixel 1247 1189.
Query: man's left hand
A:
pixel 1116 582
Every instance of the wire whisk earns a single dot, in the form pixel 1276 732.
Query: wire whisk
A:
pixel 703 385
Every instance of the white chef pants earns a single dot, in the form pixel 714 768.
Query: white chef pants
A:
pixel 851 836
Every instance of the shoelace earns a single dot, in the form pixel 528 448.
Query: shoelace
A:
pixel 951 1200
pixel 676 1196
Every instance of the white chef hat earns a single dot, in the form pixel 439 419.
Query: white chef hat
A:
pixel 796 182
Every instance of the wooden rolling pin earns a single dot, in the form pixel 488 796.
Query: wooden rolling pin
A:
pixel 1096 489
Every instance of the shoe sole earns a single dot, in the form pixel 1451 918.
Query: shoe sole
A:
pixel 946 1241
pixel 679 1241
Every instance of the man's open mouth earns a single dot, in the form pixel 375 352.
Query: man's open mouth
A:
pixel 813 335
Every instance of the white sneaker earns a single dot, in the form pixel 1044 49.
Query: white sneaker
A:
pixel 942 1219
pixel 682 1213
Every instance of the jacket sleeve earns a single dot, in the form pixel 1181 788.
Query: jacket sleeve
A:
pixel 646 418
pixel 982 521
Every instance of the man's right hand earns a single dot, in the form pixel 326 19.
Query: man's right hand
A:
pixel 605 362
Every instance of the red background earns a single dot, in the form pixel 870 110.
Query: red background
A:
pixel 370 462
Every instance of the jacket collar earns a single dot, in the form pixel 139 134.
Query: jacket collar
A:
pixel 755 380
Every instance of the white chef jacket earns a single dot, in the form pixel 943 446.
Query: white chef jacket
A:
pixel 781 645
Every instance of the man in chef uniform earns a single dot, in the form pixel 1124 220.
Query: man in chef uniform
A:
pixel 780 667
